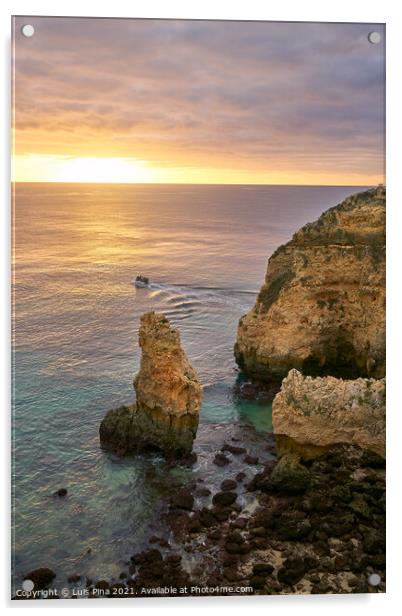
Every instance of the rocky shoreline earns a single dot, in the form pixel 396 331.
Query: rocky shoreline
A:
pixel 307 514
pixel 275 528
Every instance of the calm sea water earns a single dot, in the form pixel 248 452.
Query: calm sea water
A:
pixel 76 312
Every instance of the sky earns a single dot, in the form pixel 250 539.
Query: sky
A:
pixel 123 100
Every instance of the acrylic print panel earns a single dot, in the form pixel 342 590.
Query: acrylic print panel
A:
pixel 199 204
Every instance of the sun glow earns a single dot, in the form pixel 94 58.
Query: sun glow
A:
pixel 93 169
pixel 51 168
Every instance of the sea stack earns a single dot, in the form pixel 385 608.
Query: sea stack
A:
pixel 321 309
pixel 311 415
pixel 168 397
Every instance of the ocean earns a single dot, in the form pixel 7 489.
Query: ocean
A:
pixel 77 249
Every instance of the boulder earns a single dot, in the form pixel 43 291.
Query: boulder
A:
pixel 289 475
pixel 310 415
pixel 322 306
pixel 41 578
pixel 168 397
pixel 224 499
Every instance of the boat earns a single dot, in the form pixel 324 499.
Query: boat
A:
pixel 141 281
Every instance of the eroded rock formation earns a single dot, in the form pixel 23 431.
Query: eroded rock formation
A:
pixel 310 415
pixel 168 397
pixel 321 308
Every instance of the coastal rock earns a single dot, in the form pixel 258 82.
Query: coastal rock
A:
pixel 292 571
pixel 221 460
pixel 321 308
pixel 289 475
pixel 168 397
pixel 310 415
pixel 224 499
pixel 61 492
pixel 182 499
pixel 41 578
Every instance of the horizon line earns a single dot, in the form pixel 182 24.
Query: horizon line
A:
pixel 189 183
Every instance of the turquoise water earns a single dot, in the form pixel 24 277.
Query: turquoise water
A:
pixel 76 314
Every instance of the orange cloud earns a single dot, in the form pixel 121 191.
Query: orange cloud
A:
pixel 199 101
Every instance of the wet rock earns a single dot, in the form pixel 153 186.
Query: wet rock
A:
pixel 257 581
pixel 321 588
pixel 221 460
pixel 202 492
pixel 178 522
pixel 148 557
pixel 240 523
pixel 221 513
pixel 271 447
pixel 261 392
pixel 372 460
pixel 215 535
pixel 342 493
pixel 262 569
pixel 340 525
pixel 182 499
pixel 322 548
pixel 74 578
pixel 291 529
pixel 207 518
pixel 360 506
pixel 289 475
pixel 234 450
pixel 231 574
pixel 234 537
pixel 228 485
pixel 184 459
pixel 237 548
pixel 224 499
pixel 374 541
pixel 61 492
pixel 41 577
pixel 173 559
pixel 194 524
pixel 292 571
pixel 260 481
pixel 240 476
pixel 250 459
pixel 260 531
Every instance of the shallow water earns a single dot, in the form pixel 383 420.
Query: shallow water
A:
pixel 76 313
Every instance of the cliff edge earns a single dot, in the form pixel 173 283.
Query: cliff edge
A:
pixel 321 309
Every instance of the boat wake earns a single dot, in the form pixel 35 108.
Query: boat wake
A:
pixel 207 318
pixel 180 301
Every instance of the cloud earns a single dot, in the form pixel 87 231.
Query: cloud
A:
pixel 240 94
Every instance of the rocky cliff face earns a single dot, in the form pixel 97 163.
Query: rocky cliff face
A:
pixel 310 415
pixel 321 308
pixel 168 397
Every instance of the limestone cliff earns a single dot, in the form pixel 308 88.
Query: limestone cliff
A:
pixel 321 308
pixel 168 397
pixel 309 415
